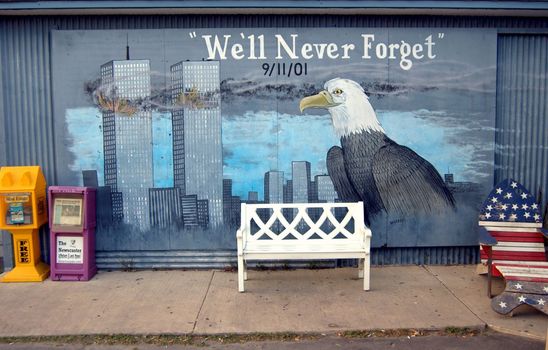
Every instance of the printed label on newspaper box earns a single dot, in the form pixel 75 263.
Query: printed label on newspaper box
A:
pixel 70 250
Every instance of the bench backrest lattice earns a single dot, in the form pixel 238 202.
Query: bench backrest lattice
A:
pixel 302 221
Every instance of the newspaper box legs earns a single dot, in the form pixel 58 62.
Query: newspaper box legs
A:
pixel 23 211
pixel 72 233
pixel 28 266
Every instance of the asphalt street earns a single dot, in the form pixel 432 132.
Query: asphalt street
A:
pixel 485 341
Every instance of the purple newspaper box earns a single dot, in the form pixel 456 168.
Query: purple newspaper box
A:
pixel 72 232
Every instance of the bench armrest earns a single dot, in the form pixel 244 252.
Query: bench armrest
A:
pixel 366 232
pixel 485 237
pixel 366 235
pixel 240 241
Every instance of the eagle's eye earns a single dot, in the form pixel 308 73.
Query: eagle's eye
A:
pixel 337 91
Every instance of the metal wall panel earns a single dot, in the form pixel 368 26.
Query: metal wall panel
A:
pixel 129 260
pixel 26 94
pixel 3 156
pixel 522 111
pixel 5 237
pixel 25 59
pixel 27 113
pixel 226 259
pixel 7 250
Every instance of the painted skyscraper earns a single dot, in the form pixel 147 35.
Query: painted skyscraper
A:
pixel 274 187
pixel 301 181
pixel 127 139
pixel 177 127
pixel 325 189
pixel 197 147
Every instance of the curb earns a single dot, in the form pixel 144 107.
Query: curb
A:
pixel 194 338
pixel 510 331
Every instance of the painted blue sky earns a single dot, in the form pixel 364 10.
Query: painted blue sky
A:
pixel 86 143
pixel 258 141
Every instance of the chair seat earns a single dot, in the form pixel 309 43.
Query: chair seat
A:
pixel 531 271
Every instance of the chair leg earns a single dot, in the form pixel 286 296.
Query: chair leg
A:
pixel 489 271
pixel 366 271
pixel 240 274
pixel 360 267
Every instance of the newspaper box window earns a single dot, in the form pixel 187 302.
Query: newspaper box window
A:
pixel 19 208
pixel 67 213
pixel 23 208
pixel 72 229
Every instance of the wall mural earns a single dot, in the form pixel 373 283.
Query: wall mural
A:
pixel 177 127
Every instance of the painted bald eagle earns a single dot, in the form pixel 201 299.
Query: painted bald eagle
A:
pixel 370 166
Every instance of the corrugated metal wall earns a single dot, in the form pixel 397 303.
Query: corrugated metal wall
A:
pixel 522 111
pixel 27 110
pixel 26 113
pixel 223 259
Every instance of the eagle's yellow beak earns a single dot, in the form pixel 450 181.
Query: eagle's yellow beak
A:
pixel 320 100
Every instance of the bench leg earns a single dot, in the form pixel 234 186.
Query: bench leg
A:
pixel 241 274
pixel 245 271
pixel 360 268
pixel 366 272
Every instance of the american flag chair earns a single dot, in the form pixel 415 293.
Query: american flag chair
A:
pixel 512 246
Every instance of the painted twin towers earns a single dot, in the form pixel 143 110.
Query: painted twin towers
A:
pixel 196 197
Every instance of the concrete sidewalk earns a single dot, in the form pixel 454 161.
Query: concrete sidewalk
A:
pixel 207 302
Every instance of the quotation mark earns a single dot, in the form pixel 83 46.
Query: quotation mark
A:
pixel 441 35
pixel 192 34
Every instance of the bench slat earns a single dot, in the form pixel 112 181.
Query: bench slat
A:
pixel 282 246
pixel 304 256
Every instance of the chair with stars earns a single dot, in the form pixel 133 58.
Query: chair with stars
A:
pixel 512 246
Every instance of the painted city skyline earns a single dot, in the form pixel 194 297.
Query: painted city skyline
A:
pixel 196 195
pixel 445 159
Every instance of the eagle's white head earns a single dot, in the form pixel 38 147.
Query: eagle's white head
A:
pixel 348 105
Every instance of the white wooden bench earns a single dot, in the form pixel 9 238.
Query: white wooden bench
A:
pixel 302 232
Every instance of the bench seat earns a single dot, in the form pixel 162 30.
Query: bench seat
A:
pixel 290 249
